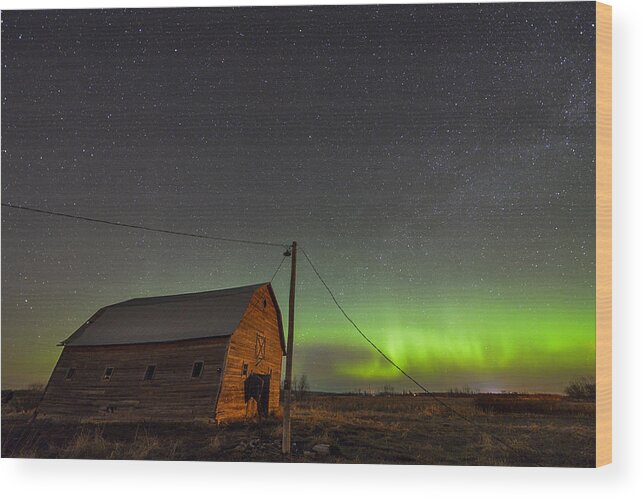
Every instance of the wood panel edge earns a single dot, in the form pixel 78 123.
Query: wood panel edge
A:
pixel 603 234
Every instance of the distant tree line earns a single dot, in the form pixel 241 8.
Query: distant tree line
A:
pixel 465 391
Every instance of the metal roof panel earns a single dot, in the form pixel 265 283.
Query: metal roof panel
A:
pixel 166 318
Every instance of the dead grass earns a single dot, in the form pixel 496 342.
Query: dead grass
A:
pixel 532 404
pixel 360 429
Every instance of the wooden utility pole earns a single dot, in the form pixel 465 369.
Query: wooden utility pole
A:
pixel 285 439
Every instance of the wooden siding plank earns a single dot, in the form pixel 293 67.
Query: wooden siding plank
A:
pixel 171 395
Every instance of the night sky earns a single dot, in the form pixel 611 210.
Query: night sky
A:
pixel 435 161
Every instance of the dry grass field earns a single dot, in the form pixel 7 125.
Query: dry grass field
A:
pixel 540 430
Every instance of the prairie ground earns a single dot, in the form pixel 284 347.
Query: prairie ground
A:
pixel 499 430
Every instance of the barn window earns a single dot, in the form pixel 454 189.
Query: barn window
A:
pixel 197 369
pixel 260 348
pixel 244 369
pixel 107 375
pixel 70 373
pixel 265 303
pixel 149 373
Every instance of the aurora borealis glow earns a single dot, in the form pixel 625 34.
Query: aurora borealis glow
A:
pixel 436 162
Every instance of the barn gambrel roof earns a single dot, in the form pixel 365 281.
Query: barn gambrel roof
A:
pixel 163 319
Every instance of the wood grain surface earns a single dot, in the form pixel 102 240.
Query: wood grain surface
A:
pixel 603 234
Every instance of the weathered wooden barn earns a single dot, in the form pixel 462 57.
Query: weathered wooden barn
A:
pixel 211 356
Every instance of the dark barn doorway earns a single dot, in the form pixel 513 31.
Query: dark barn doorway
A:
pixel 257 387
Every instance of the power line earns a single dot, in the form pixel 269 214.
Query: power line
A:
pixel 394 364
pixel 278 268
pixel 142 227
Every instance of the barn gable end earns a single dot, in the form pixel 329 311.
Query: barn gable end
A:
pixel 256 348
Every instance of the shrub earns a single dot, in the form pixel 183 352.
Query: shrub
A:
pixel 20 401
pixel 300 386
pixel 582 388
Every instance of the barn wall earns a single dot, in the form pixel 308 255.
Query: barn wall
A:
pixel 171 395
pixel 256 320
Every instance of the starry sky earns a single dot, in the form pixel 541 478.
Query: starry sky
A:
pixel 435 161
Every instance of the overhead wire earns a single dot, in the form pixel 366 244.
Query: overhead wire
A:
pixel 143 227
pixel 278 268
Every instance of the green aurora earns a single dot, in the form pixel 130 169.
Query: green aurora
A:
pixel 435 161
pixel 490 344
